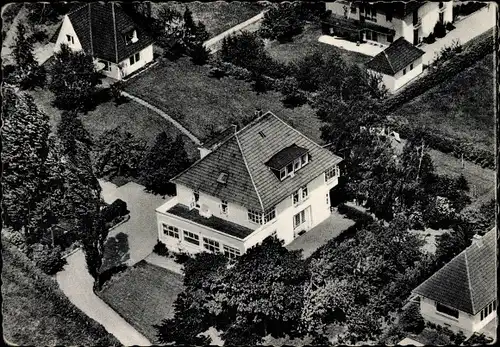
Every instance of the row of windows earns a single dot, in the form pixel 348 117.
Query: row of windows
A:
pixel 261 218
pixel 135 58
pixel 208 244
pixel 332 172
pixel 447 310
pixel 294 166
pixel 488 309
pixel 411 68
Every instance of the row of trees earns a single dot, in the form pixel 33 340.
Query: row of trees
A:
pixel 48 180
pixel 119 153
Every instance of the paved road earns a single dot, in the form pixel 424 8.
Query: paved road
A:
pixel 76 283
pixel 164 115
pixel 465 30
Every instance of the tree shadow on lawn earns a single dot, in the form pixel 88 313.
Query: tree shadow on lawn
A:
pixel 116 252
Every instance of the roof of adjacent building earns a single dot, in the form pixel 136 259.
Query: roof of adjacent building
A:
pixel 395 58
pixel 101 27
pixel 468 282
pixel 243 156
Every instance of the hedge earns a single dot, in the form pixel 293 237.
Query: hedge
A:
pixel 448 145
pixel 354 214
pixel 459 62
pixel 117 209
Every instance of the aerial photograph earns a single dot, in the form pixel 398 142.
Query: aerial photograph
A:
pixel 249 173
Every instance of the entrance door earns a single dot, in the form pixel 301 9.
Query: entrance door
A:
pixel 302 221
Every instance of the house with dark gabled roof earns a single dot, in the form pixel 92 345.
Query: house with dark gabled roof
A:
pixel 462 295
pixel 103 30
pixel 267 179
pixel 398 64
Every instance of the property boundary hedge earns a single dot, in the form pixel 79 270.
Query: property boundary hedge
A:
pixel 459 62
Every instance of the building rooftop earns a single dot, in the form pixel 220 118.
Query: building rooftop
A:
pixel 286 156
pixel 395 58
pixel 213 222
pixel 356 25
pixel 101 27
pixel 468 282
pixel 243 156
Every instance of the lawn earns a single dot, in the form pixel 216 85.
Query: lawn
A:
pixel 218 16
pixel 307 43
pixel 143 295
pixel 201 103
pixel 36 312
pixel 460 108
pixel 139 120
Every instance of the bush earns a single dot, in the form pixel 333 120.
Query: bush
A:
pixel 48 259
pixel 449 26
pixel 161 249
pixel 181 257
pixel 439 30
pixel 429 39
pixel 117 209
pixel 39 36
pixel 199 54
pixel 355 214
pixel 106 275
pixel 411 320
pixel 293 96
pixel 478 340
pixel 282 21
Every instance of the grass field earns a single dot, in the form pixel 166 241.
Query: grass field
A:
pixel 139 120
pixel 143 295
pixel 201 103
pixel 218 16
pixel 307 43
pixel 461 108
pixel 36 312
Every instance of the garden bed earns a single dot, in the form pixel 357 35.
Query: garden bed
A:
pixel 143 295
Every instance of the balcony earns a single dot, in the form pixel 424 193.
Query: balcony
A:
pixel 176 210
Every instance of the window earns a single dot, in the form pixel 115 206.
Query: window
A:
pixel 404 71
pixel 107 65
pixel 304 193
pixel 300 195
pixel 191 238
pixel 171 231
pixel 289 169
pixel 231 252
pixel 196 199
pixel 390 38
pixel 135 58
pixel 274 233
pixel 270 215
pixel 411 66
pixel 299 219
pixel 130 37
pixel 331 173
pixel 447 310
pixel 388 15
pixel 282 174
pixel 374 36
pixel 255 217
pixel 353 9
pixel 296 164
pixel 305 159
pixel 296 197
pixel 328 199
pixel 223 207
pixel 211 245
pixel 70 39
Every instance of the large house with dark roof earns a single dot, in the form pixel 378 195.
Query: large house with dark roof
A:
pixel 382 23
pixel 398 64
pixel 266 179
pixel 104 31
pixel 463 294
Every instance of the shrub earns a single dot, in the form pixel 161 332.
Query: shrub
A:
pixel 116 92
pixel 429 39
pixel 293 96
pixel 182 257
pixel 448 52
pixel 161 249
pixel 199 54
pixel 449 26
pixel 439 30
pixel 106 275
pixel 48 259
pixel 355 214
pixel 39 36
pixel 459 338
pixel 411 320
pixel 117 209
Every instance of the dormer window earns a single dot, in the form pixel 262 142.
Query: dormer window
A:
pixel 70 39
pixel 288 161
pixel 130 37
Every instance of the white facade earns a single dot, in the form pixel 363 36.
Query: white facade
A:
pixel 414 27
pixel 67 35
pixel 312 210
pixel 402 77
pixel 465 322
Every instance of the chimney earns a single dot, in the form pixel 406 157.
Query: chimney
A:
pixel 477 240
pixel 258 112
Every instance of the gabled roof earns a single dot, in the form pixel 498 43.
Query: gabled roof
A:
pixel 243 157
pixel 100 27
pixel 395 58
pixel 468 282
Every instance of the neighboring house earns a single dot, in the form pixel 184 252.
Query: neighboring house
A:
pixel 398 64
pixel 385 22
pixel 462 295
pixel 266 179
pixel 104 31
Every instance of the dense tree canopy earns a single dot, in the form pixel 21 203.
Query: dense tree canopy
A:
pixel 73 79
pixel 282 21
pixel 28 74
